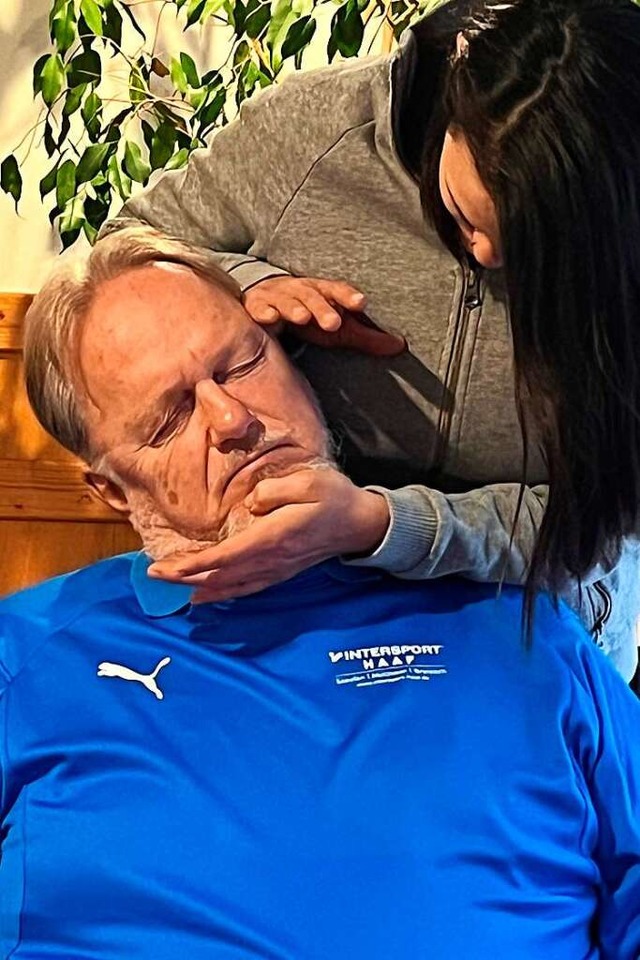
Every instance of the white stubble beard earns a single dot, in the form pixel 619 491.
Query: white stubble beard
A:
pixel 160 540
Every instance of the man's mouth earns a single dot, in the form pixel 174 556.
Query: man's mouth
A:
pixel 259 458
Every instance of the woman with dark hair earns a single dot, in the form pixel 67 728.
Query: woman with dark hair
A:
pixel 515 127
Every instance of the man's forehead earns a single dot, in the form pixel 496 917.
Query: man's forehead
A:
pixel 151 333
pixel 146 306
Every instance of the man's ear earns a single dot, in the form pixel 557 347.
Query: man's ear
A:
pixel 107 490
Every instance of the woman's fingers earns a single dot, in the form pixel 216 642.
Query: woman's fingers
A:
pixel 276 492
pixel 299 521
pixel 300 300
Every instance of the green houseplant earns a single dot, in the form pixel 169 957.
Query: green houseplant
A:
pixel 98 145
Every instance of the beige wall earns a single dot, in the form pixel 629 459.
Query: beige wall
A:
pixel 28 243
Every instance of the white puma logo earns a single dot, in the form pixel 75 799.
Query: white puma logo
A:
pixel 125 673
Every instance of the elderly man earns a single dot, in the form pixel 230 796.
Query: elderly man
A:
pixel 340 766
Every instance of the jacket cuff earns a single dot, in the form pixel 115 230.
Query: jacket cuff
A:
pixel 411 533
pixel 250 271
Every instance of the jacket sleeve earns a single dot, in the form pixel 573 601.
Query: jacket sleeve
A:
pixel 432 534
pixel 605 717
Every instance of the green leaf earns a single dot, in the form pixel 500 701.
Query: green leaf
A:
pixel 347 29
pixel 69 234
pixel 73 99
pixel 242 53
pixel 48 182
pixel 148 132
pixel 299 36
pixel 178 160
pixel 281 21
pixel 137 86
pixel 281 14
pixel 178 76
pixel 190 70
pixel 134 164
pixel 239 14
pixel 93 15
pixel 53 74
pixel 113 25
pixel 65 183
pixel 212 78
pixel 164 141
pixel 56 8
pixel 249 77
pixel 65 126
pixel 211 112
pixel 210 8
pixel 183 139
pixel 69 237
pixel 101 184
pixel 92 160
pixel 118 179
pixel 84 68
pixel 63 26
pixel 96 210
pixel 49 141
pixel 10 178
pixel 113 130
pixel 92 115
pixel 197 97
pixel 168 114
pixel 90 232
pixel 194 11
pixel 91 107
pixel 257 21
pixel 37 74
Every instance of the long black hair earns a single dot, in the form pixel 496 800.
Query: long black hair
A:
pixel 547 96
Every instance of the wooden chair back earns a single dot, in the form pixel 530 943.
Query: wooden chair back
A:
pixel 50 520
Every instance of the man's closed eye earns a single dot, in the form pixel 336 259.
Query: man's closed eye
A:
pixel 178 418
pixel 241 369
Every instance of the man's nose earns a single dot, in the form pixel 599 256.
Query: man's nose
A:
pixel 230 425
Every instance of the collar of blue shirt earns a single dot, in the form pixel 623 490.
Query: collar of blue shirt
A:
pixel 158 598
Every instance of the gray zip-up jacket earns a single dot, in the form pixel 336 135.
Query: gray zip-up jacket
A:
pixel 308 181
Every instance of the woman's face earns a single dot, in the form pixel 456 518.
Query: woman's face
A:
pixel 469 203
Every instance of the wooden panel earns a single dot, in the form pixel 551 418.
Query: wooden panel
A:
pixel 32 551
pixel 13 307
pixel 49 490
pixel 20 433
pixel 50 521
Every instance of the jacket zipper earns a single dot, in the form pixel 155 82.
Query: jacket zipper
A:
pixel 470 299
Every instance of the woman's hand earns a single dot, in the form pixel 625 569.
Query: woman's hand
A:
pixel 327 313
pixel 300 520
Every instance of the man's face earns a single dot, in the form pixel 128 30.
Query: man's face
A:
pixel 192 404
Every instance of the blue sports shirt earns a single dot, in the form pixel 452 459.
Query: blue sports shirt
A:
pixel 342 767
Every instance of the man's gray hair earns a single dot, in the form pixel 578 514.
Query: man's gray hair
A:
pixel 54 322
